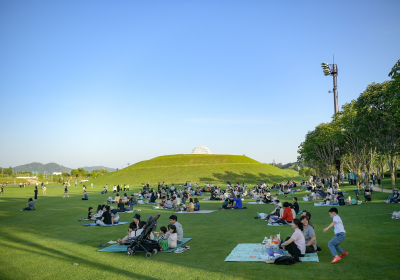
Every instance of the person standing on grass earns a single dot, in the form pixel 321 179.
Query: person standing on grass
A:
pixel 44 189
pixel 340 235
pixel 65 191
pixel 36 192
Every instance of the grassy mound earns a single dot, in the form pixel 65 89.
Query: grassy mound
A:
pixel 198 168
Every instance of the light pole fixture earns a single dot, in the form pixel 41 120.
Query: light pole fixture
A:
pixel 332 70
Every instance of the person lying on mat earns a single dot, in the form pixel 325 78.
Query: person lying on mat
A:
pixel 287 216
pixel 196 204
pixel 309 235
pixel 134 233
pixel 106 218
pixel 295 244
pixel 173 219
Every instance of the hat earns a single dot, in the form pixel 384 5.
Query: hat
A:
pixel 31 199
pixel 280 204
pixel 111 208
pixel 137 216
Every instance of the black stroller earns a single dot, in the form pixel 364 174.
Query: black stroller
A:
pixel 143 243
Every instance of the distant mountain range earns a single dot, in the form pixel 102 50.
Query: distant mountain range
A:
pixel 51 167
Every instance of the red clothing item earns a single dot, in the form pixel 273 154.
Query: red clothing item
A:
pixel 287 214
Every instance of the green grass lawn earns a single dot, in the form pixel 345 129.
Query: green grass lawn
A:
pixel 45 244
pixel 215 169
pixel 387 183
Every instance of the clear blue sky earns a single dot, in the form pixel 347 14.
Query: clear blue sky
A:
pixel 113 82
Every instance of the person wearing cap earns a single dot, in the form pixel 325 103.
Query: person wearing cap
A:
pixel 132 227
pixel 30 204
pixel 173 219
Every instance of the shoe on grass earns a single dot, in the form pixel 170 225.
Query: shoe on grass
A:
pixel 336 259
pixel 344 254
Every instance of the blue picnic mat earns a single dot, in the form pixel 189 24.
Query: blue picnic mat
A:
pixel 252 252
pixel 122 248
pixel 323 204
pixel 94 224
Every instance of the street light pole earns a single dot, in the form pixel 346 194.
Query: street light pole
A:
pixel 332 70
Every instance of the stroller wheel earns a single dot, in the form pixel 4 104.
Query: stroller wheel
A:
pixel 129 251
pixel 148 255
pixel 154 251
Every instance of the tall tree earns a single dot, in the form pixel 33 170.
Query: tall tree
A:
pixel 378 115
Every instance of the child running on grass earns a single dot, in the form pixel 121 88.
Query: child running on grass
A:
pixel 340 235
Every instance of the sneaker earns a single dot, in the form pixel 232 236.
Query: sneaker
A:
pixel 344 254
pixel 335 259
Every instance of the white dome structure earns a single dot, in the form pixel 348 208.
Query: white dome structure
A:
pixel 201 150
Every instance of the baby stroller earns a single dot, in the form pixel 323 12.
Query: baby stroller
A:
pixel 367 194
pixel 143 243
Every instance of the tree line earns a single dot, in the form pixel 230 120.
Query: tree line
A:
pixel 364 135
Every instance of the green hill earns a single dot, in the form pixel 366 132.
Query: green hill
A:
pixel 197 168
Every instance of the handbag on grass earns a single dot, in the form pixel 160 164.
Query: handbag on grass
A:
pixel 164 245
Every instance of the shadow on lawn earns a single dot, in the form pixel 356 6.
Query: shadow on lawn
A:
pixel 53 253
pixel 245 176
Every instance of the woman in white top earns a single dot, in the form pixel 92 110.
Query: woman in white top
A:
pixel 296 244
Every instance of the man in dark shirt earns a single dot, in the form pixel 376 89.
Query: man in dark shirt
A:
pixel 296 205
pixel 106 218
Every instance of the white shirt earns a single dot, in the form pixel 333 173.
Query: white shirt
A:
pixel 172 240
pixel 339 224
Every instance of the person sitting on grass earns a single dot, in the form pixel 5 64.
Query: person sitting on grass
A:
pixel 267 198
pixel 190 206
pixel 121 206
pixel 85 196
pixel 295 244
pixel 287 216
pixel 173 219
pixel 296 206
pixel 168 204
pixel 196 205
pixel 114 216
pixel 134 233
pixel 133 200
pixel 238 202
pixel 161 233
pixel 90 214
pixel 328 197
pixel 172 236
pixel 226 204
pixel 309 235
pixel 117 198
pixel 132 226
pixel 395 197
pixel 274 215
pixel 30 204
pixel 106 218
pixel 153 198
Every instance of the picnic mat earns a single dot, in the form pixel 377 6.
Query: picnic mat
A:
pixel 323 204
pixel 198 212
pixel 94 224
pixel 122 248
pixel 253 202
pixel 252 252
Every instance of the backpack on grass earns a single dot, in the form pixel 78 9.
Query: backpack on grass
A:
pixel 287 260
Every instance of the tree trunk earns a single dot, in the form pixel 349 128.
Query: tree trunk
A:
pixel 392 168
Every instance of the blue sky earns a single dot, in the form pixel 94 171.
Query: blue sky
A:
pixel 114 82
